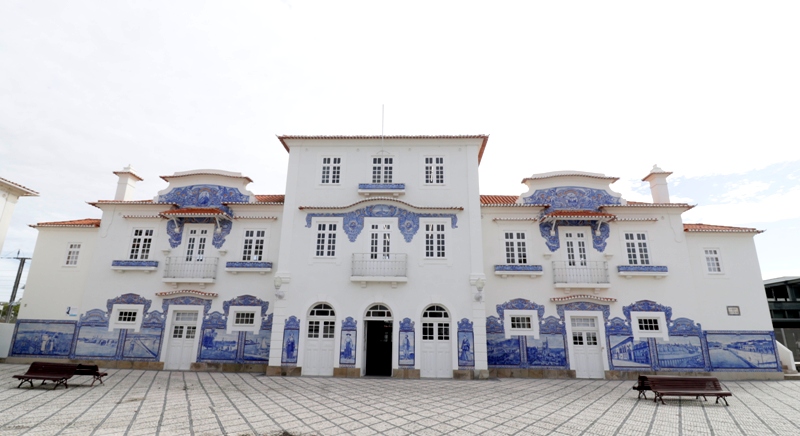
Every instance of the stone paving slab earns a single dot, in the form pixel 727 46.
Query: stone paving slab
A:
pixel 135 402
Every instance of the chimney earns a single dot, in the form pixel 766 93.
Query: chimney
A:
pixel 658 184
pixel 126 184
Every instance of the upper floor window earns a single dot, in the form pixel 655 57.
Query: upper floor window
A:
pixel 434 170
pixel 331 170
pixel 245 318
pixel 649 325
pixel 127 316
pixel 434 241
pixel 140 244
pixel 713 263
pixel 253 249
pixel 326 240
pixel 576 248
pixel 73 250
pixel 516 249
pixel 636 246
pixel 382 169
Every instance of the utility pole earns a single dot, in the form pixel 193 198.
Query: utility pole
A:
pixel 16 284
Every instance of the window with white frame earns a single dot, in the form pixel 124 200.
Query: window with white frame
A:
pixel 713 262
pixel 326 240
pixel 331 170
pixel 73 251
pixel 322 322
pixel 253 248
pixel 521 323
pixel 141 243
pixel 649 325
pixel 382 169
pixel 126 316
pixel 636 247
pixel 435 241
pixel 516 248
pixel 244 319
pixel 434 170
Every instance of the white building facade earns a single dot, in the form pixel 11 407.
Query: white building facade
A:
pixel 382 259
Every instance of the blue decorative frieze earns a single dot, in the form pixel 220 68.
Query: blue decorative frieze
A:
pixel 407 221
pixel 248 264
pixel 187 301
pixel 406 344
pixel 684 327
pixel 204 196
pixel 519 304
pixel 551 325
pixel 494 325
pixel 215 320
pixel 153 319
pixel 266 324
pixel 583 305
pixel 349 323
pixel 465 325
pixel 96 317
pixel 291 340
pixel 521 268
pixel 135 263
pixel 618 326
pixel 224 229
pixel 642 268
pixel 382 186
pixel 749 351
pixel 175 232
pixel 552 240
pixel 246 300
pixel 129 299
pixel 292 323
pixel 647 306
pixel 572 198
pixel 406 325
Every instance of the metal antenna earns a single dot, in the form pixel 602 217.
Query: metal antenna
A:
pixel 382 106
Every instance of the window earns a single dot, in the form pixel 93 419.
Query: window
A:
pixel 128 316
pixel 380 241
pixel 331 170
pixel 140 244
pixel 636 246
pixel 245 318
pixel 326 240
pixel 196 245
pixel 328 328
pixel 379 311
pixel 516 250
pixel 253 249
pixel 520 322
pixel 382 169
pixel 438 328
pixel 576 248
pixel 713 264
pixel 434 241
pixel 434 170
pixel 777 294
pixel 73 251
pixel 648 324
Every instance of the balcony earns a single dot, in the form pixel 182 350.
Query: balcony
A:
pixel 134 265
pixel 582 275
pixel 394 189
pixel 179 270
pixel 379 267
pixel 531 271
pixel 655 271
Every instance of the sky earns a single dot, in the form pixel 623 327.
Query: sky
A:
pixel 705 89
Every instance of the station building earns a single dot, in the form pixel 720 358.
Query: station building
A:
pixel 381 258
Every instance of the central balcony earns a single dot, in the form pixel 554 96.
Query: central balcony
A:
pixel 580 275
pixel 179 270
pixel 379 267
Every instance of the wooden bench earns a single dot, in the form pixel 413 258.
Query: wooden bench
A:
pixel 59 373
pixel 642 385
pixel 677 386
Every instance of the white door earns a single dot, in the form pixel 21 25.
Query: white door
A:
pixel 437 360
pixel 320 341
pixel 586 348
pixel 182 341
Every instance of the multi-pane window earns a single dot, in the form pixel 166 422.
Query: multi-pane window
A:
pixel 382 169
pixel 713 264
pixel 516 250
pixel 196 245
pixel 73 250
pixel 434 241
pixel 177 332
pixel 253 249
pixel 434 170
pixel 380 242
pixel 520 322
pixel 328 328
pixel 140 244
pixel 583 322
pixel 326 240
pixel 379 311
pixel 648 324
pixel 427 331
pixel 322 310
pixel 576 248
pixel 591 338
pixel 245 318
pixel 331 170
pixel 636 246
pixel 438 330
pixel 186 316
pixel 126 316
pixel 577 338
pixel 190 332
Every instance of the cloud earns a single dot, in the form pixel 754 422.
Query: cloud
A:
pixel 748 210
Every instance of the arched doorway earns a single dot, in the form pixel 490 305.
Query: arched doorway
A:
pixel 320 340
pixel 437 360
pixel 378 342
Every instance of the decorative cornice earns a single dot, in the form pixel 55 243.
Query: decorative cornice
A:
pixel 642 268
pixel 392 199
pixel 515 219
pixel 536 268
pixel 135 263
pixel 382 186
pixel 583 297
pixel 200 294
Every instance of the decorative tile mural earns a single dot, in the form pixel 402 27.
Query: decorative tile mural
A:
pixel 97 341
pixel 572 198
pixel 43 338
pixel 742 350
pixel 547 351
pixel 406 353
pixel 291 340
pixel 204 196
pixel 256 345
pixel 680 352
pixel 627 353
pixel 551 238
pixel 218 345
pixel 466 344
pixel 143 344
pixel 503 352
pixel 347 348
pixel 407 221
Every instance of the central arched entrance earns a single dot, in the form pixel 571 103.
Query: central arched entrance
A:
pixel 437 359
pixel 320 341
pixel 378 342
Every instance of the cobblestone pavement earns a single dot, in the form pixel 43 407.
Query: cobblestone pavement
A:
pixel 189 403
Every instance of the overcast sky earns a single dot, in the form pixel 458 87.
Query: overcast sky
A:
pixel 708 90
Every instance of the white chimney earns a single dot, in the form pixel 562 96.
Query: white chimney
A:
pixel 126 184
pixel 658 184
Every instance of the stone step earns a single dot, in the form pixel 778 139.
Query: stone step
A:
pixel 795 376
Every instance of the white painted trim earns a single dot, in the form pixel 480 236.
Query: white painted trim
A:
pixel 117 308
pixel 535 321
pixel 663 330
pixel 233 327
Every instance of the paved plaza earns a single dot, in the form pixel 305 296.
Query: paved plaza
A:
pixel 189 403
